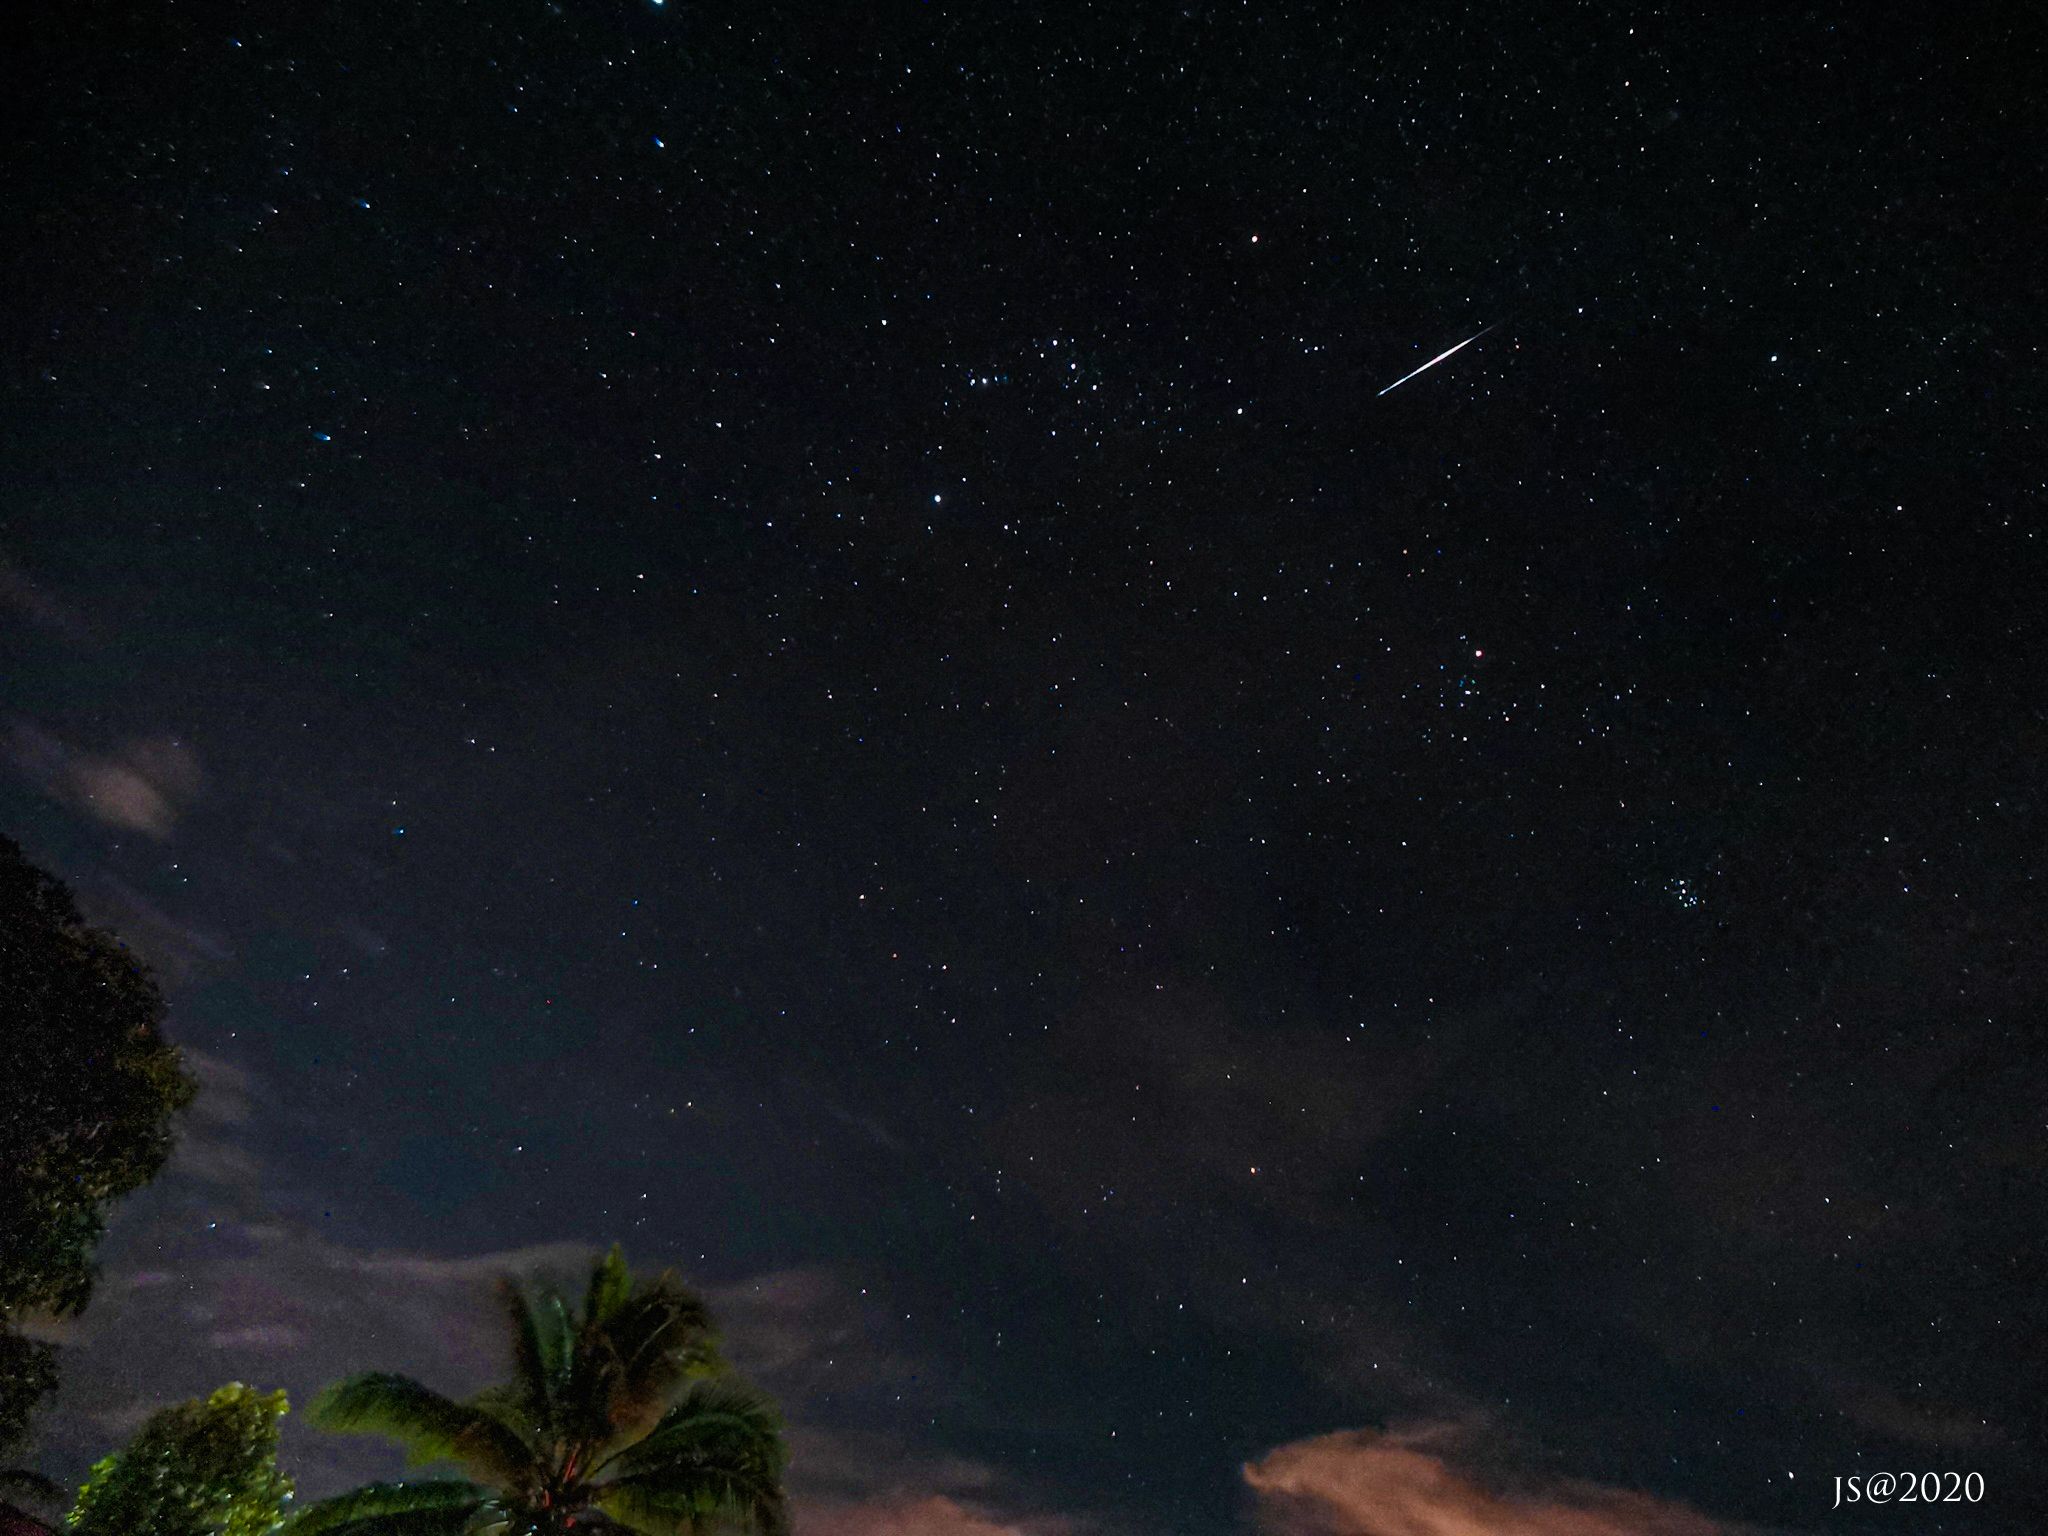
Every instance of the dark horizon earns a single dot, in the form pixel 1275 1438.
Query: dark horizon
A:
pixel 805 638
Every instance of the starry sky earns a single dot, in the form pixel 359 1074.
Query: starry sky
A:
pixel 800 635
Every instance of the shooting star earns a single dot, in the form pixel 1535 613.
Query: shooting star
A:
pixel 1461 346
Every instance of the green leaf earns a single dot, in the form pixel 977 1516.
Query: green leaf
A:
pixel 543 1353
pixel 716 1456
pixel 201 1468
pixel 707 1499
pixel 720 1417
pixel 430 1427
pixel 610 1284
pixel 652 1344
pixel 430 1507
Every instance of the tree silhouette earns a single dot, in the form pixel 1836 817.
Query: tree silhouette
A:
pixel 85 1118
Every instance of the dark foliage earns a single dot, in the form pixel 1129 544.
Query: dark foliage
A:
pixel 91 1087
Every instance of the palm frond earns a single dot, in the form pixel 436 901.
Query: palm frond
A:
pixel 689 1501
pixel 656 1341
pixel 430 1507
pixel 594 1519
pixel 628 1366
pixel 631 1513
pixel 666 1318
pixel 507 1404
pixel 425 1522
pixel 716 1457
pixel 610 1285
pixel 430 1427
pixel 719 1418
pixel 543 1351
pixel 622 1416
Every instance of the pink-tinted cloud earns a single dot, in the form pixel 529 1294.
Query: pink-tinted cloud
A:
pixel 1361 1483
pixel 141 788
pixel 926 1515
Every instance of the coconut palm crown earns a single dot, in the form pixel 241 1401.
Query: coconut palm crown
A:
pixel 619 1417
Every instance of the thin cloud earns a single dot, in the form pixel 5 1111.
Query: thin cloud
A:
pixel 142 788
pixel 24 597
pixel 176 950
pixel 1361 1483
pixel 930 1515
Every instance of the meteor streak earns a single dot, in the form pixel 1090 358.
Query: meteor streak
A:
pixel 1461 346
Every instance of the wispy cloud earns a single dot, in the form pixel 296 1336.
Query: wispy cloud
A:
pixel 1362 1483
pixel 143 787
pixel 39 607
pixel 929 1515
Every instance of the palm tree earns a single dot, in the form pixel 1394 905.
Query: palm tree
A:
pixel 620 1418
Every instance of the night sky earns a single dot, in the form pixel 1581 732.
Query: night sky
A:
pixel 800 636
